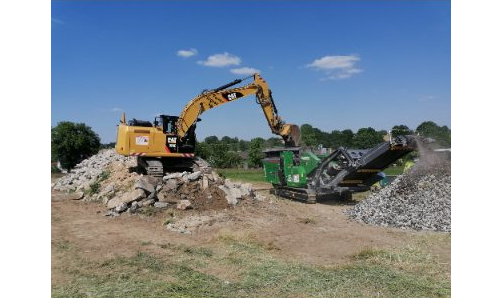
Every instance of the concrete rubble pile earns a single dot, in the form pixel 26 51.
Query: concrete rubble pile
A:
pixel 82 177
pixel 122 189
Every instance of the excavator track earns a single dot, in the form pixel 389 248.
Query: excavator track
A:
pixel 156 167
pixel 153 166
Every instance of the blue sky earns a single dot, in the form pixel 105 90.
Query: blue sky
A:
pixel 333 64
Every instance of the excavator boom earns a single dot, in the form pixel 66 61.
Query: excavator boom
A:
pixel 221 95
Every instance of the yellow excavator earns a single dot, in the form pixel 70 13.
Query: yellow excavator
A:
pixel 168 144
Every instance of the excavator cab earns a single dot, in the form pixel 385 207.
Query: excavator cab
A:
pixel 173 142
pixel 167 123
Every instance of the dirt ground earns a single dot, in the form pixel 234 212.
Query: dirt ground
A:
pixel 319 234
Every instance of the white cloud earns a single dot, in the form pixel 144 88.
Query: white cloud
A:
pixel 245 71
pixel 187 53
pixel 221 60
pixel 55 22
pixel 428 97
pixel 336 67
pixel 117 110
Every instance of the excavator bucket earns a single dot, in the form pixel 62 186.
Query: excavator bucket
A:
pixel 295 134
pixel 291 135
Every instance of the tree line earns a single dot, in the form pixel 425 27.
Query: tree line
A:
pixel 73 142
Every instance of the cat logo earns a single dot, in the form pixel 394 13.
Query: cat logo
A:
pixel 232 96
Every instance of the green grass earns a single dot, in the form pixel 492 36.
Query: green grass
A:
pixel 250 175
pixel 249 270
pixel 398 170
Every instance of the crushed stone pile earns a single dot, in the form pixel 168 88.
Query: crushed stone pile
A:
pixel 419 199
pixel 117 184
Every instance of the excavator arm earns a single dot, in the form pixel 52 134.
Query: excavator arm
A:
pixel 209 99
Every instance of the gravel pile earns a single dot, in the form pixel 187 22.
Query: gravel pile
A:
pixel 419 199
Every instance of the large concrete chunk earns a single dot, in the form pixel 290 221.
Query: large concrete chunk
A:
pixel 146 183
pixel 160 205
pixel 122 207
pixel 135 195
pixel 171 198
pixel 170 185
pixel 172 176
pixel 194 176
pixel 246 189
pixel 229 184
pixel 236 193
pixel 204 183
pixel 184 204
pixel 79 195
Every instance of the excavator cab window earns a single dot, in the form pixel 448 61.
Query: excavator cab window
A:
pixel 168 123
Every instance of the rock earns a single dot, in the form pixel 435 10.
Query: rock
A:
pixel 260 197
pixel 236 193
pixel 231 200
pixel 171 198
pixel 147 202
pixel 128 197
pixel 146 183
pixel 134 207
pixel 246 189
pixel 184 204
pixel 158 187
pixel 205 183
pixel 160 205
pixel 231 194
pixel 229 184
pixel 194 176
pixel 79 195
pixel 171 185
pixel 109 189
pixel 112 213
pixel 172 176
pixel 215 176
pixel 121 207
pixel 152 195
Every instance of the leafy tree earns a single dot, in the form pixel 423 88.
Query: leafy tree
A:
pixel 243 145
pixel 401 130
pixel 273 142
pixel 255 154
pixel 347 136
pixel 366 138
pixel 233 159
pixel 218 155
pixel 222 157
pixel 226 140
pixel 203 150
pixel 441 134
pixel 321 137
pixel 308 135
pixel 73 142
pixel 211 140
